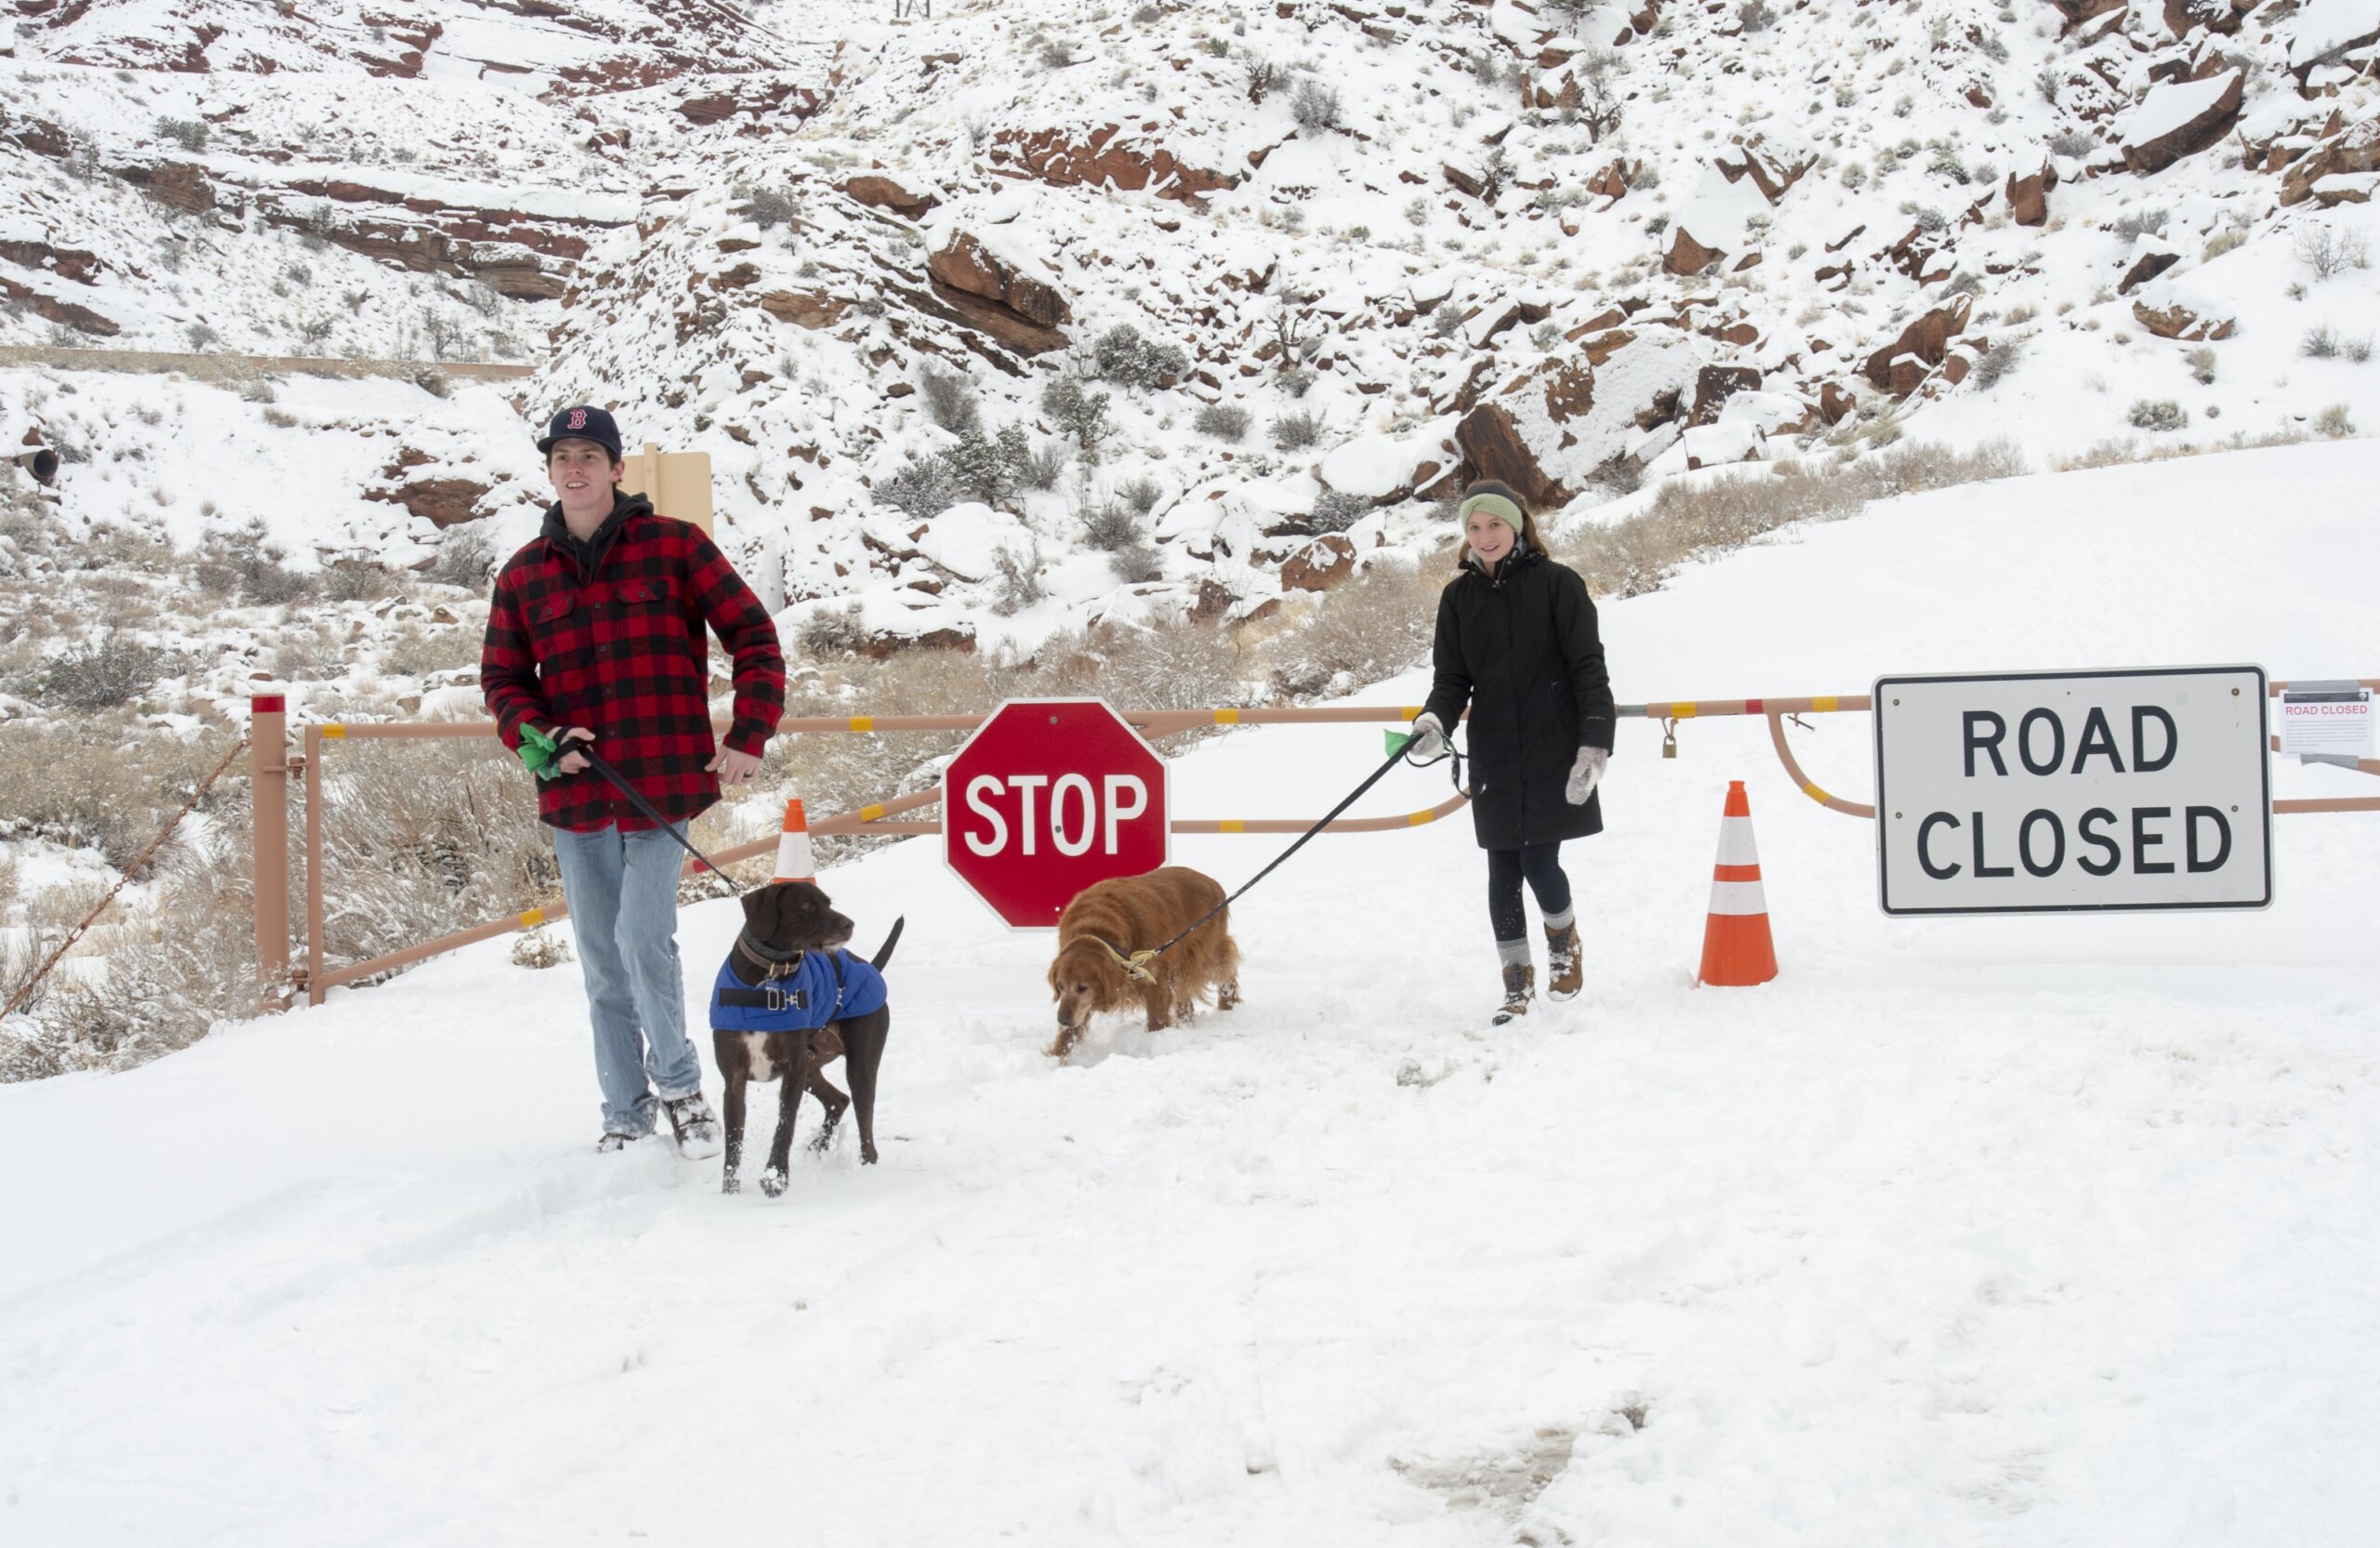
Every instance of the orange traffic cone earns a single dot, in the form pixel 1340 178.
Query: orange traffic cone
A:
pixel 793 847
pixel 1736 947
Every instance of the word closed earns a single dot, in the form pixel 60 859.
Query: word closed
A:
pixel 2036 792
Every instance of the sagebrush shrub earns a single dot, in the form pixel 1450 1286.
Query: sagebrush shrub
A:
pixel 111 670
pixel 1337 510
pixel 1294 432
pixel 951 400
pixel 2158 414
pixel 2004 356
pixel 466 556
pixel 1314 105
pixel 1123 356
pixel 1226 421
pixel 926 487
pixel 1080 413
pixel 1111 527
pixel 2327 251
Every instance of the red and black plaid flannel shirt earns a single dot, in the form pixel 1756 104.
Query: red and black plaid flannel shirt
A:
pixel 622 653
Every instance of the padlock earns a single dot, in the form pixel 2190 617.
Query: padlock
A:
pixel 1669 739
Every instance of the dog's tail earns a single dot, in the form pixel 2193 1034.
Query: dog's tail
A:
pixel 884 952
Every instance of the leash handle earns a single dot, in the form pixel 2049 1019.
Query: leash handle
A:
pixel 636 798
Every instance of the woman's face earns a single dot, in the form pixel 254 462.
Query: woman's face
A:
pixel 1489 537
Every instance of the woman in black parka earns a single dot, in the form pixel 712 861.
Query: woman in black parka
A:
pixel 1516 643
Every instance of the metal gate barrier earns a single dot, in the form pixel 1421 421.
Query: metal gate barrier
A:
pixel 270 764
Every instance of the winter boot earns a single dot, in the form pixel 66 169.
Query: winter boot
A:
pixel 613 1140
pixel 1520 984
pixel 1564 972
pixel 697 1130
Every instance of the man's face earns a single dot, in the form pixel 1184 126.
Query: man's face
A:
pixel 583 473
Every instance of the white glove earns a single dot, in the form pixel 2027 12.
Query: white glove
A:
pixel 1585 774
pixel 1429 739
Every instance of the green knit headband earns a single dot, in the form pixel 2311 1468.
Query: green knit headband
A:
pixel 1494 505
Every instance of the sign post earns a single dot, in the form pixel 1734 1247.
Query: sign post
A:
pixel 2047 793
pixel 677 482
pixel 1048 797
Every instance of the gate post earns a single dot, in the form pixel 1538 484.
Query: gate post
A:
pixel 269 816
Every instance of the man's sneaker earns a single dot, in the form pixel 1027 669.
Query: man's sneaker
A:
pixel 614 1141
pixel 696 1128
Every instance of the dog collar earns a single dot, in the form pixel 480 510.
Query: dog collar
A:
pixel 779 964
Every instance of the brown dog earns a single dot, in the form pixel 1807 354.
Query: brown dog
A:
pixel 790 952
pixel 1138 913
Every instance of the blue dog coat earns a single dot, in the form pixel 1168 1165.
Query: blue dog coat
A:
pixel 824 986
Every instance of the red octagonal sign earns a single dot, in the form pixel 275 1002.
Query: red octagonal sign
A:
pixel 1048 797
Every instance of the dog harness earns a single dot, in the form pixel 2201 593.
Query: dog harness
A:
pixel 819 987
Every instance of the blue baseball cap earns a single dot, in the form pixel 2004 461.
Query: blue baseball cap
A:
pixel 583 422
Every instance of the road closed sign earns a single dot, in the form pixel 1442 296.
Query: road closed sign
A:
pixel 2042 792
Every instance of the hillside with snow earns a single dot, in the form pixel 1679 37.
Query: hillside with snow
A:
pixel 1292 271
pixel 2037 1230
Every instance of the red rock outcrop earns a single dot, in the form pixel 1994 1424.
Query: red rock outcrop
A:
pixel 1492 448
pixel 1320 565
pixel 1714 385
pixel 2028 195
pixel 880 191
pixel 964 264
pixel 2177 321
pixel 1053 156
pixel 2146 267
pixel 441 502
pixel 2202 128
pixel 2355 149
pixel 1686 257
pixel 1901 365
pixel 804 309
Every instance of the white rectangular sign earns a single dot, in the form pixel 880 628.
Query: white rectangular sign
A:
pixel 2037 792
pixel 2335 723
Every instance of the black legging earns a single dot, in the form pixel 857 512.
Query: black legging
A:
pixel 1541 864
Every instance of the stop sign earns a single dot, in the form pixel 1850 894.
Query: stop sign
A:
pixel 1048 797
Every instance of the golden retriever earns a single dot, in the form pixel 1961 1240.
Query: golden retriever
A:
pixel 1136 913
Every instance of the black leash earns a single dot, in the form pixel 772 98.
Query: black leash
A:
pixel 1137 963
pixel 646 808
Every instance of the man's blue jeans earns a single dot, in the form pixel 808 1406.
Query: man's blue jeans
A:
pixel 623 893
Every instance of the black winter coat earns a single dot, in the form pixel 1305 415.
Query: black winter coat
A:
pixel 1521 650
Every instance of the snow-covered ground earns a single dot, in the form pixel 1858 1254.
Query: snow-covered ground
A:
pixel 2023 1231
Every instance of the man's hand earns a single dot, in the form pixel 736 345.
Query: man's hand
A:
pixel 732 767
pixel 1429 740
pixel 570 762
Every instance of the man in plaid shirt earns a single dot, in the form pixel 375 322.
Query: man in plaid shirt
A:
pixel 595 635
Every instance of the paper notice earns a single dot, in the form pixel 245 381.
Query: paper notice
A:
pixel 2332 721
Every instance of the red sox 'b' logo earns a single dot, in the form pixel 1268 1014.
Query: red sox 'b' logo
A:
pixel 577 418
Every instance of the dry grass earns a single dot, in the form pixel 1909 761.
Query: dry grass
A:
pixel 2120 450
pixel 1690 523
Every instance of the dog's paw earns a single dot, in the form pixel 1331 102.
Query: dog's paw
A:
pixel 773 1182
pixel 731 1185
pixel 868 1155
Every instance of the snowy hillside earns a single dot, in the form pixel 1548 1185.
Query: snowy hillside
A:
pixel 1363 251
pixel 2010 1231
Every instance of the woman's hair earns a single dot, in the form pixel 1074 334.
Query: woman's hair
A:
pixel 1528 528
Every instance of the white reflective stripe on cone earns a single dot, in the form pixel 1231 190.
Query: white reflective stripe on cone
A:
pixel 1735 843
pixel 793 858
pixel 1738 897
